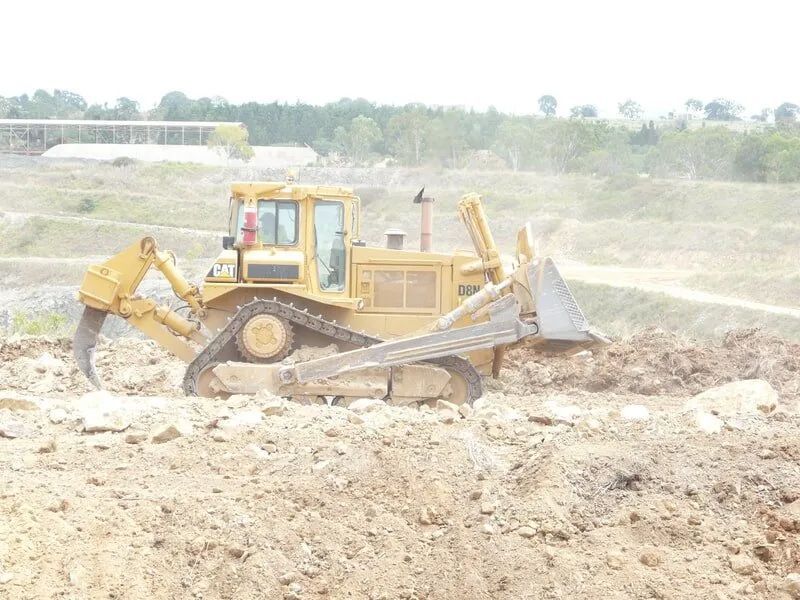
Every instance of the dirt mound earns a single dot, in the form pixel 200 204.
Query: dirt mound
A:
pixel 318 502
pixel 540 495
pixel 656 362
pixel 125 365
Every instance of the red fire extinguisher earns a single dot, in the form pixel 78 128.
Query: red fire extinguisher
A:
pixel 250 226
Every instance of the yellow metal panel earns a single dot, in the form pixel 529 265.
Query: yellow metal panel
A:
pixel 385 288
pixel 100 286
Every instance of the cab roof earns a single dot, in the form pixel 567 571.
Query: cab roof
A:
pixel 277 189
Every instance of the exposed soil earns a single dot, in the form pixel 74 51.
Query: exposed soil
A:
pixel 546 490
pixel 655 362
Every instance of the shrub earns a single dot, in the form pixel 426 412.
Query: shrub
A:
pixel 123 161
pixel 87 205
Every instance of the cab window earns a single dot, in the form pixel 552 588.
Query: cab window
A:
pixel 330 250
pixel 277 222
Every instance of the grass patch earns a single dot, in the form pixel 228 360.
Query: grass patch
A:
pixel 51 324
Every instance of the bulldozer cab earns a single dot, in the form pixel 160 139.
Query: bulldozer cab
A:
pixel 290 235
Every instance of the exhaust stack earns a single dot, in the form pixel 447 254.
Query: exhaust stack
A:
pixel 426 224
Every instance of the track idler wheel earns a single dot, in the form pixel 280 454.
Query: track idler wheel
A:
pixel 208 386
pixel 265 338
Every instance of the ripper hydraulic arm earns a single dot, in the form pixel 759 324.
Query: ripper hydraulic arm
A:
pixel 111 288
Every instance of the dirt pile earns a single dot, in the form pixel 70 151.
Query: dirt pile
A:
pixel 656 362
pixel 253 498
pixel 125 365
pixel 560 493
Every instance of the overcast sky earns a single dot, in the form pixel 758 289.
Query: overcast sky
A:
pixel 473 54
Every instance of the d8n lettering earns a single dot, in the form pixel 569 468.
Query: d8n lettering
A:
pixel 468 289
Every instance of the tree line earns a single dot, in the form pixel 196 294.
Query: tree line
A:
pixel 359 132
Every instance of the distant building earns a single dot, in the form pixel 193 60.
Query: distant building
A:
pixel 35 136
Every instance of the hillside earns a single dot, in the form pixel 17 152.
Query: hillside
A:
pixel 735 240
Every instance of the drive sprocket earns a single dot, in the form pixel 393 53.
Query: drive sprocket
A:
pixel 265 338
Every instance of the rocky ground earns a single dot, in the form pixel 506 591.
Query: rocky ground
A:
pixel 657 468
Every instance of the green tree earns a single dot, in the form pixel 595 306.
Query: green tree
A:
pixel 584 111
pixel 231 142
pixel 722 109
pixel 630 109
pixel 608 154
pixel 447 135
pixel 786 112
pixel 750 162
pixel 126 109
pixel 693 106
pixel 782 158
pixel 68 105
pixel 706 153
pixel 42 105
pixel 513 139
pixel 408 133
pixel 548 105
pixel 358 140
pixel 558 143
pixel 174 106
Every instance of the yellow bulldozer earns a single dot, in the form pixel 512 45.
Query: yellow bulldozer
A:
pixel 403 325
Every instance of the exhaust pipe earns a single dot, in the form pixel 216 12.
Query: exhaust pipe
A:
pixel 426 224
pixel 84 343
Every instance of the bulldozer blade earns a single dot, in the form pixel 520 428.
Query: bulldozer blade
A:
pixel 85 342
pixel 562 324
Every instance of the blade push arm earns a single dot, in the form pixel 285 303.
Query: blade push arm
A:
pixel 559 326
pixel 503 327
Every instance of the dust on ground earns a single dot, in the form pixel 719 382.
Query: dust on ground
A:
pixel 555 490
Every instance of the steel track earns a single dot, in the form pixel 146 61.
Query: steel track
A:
pixel 334 332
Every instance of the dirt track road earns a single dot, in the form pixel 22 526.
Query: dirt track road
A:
pixel 663 281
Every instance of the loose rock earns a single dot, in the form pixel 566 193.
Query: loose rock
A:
pixel 57 415
pixel 742 564
pixel 365 405
pixel 14 402
pixel 748 397
pixel 791 585
pixel 274 407
pixel 167 432
pixel 635 412
pixel 650 558
pixel 12 429
pixel 615 560
pixel 135 437
pixel 708 423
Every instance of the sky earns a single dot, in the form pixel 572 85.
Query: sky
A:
pixel 472 54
